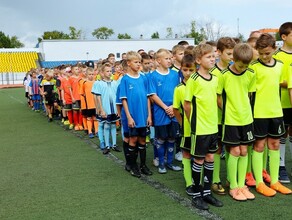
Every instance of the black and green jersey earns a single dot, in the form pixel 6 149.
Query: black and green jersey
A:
pixel 266 97
pixel 202 93
pixel 286 58
pixel 178 101
pixel 235 89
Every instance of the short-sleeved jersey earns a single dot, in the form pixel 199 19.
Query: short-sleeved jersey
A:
pixel 289 81
pixel 180 74
pixel 235 89
pixel 66 86
pixel 178 101
pixel 35 86
pixel 48 85
pixel 202 93
pixel 107 90
pixel 163 86
pixel 135 91
pixel 75 87
pixel 217 72
pixel 87 95
pixel 82 93
pixel 266 97
pixel 286 58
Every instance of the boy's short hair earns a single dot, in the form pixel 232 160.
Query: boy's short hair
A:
pixel 264 41
pixel 285 29
pixel 242 52
pixel 162 52
pixel 190 50
pixel 177 48
pixel 103 66
pixel 89 70
pixel 202 49
pixel 110 55
pixel 188 61
pixel 183 43
pixel 50 73
pixel 225 43
pixel 212 43
pixel 251 40
pixel 131 55
pixel 145 56
pixel 117 63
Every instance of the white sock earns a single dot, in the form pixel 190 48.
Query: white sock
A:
pixel 282 151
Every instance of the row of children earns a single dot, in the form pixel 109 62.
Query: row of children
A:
pixel 183 105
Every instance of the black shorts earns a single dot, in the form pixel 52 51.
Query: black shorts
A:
pixel 50 100
pixel 204 144
pixel 76 105
pixel 26 95
pixel 137 132
pixel 167 131
pixel 186 143
pixel 268 127
pixel 287 116
pixel 68 107
pixel 238 135
pixel 84 112
pixel 89 112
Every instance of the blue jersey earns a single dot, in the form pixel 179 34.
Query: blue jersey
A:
pixel 107 91
pixel 123 115
pixel 135 90
pixel 163 86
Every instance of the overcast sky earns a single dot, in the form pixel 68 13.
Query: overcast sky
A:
pixel 29 19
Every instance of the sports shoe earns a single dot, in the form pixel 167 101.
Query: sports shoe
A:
pixel 249 179
pixel 173 167
pixel 178 156
pixel 162 170
pixel 80 127
pixel 66 122
pixel 62 121
pixel 280 188
pixel 71 126
pixel 199 203
pixel 128 167
pixel 145 170
pixel 218 188
pixel 245 191
pixel 106 150
pixel 116 148
pixel 135 171
pixel 76 128
pixel 212 200
pixel 263 189
pixel 266 176
pixel 190 190
pixel 91 135
pixel 237 194
pixel 283 175
pixel 156 162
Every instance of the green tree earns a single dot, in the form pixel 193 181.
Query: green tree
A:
pixel 124 36
pixel 50 35
pixel 15 43
pixel 155 35
pixel 103 33
pixel 74 33
pixel 7 42
pixel 198 36
pixel 169 32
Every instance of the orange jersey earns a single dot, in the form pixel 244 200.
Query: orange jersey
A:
pixel 75 87
pixel 82 93
pixel 89 97
pixel 66 86
pixel 117 75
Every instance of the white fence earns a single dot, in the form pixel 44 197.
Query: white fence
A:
pixel 11 78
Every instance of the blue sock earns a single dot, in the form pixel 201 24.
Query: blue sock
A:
pixel 170 148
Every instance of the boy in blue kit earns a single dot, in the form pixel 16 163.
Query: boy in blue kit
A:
pixel 134 95
pixel 162 84
pixel 34 91
pixel 201 110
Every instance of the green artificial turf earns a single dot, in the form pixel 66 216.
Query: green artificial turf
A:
pixel 49 172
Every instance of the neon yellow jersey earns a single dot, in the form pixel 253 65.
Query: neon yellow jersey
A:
pixel 234 89
pixel 286 58
pixel 267 103
pixel 178 101
pixel 202 93
pixel 217 72
pixel 289 82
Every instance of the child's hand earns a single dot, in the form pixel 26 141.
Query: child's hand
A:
pixel 131 122
pixel 149 121
pixel 169 111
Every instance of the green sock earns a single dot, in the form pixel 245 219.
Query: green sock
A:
pixel 216 171
pixel 265 158
pixel 274 165
pixel 226 163
pixel 232 171
pixel 257 166
pixel 242 164
pixel 249 151
pixel 187 171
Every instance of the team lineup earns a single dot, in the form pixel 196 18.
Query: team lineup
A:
pixel 193 104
